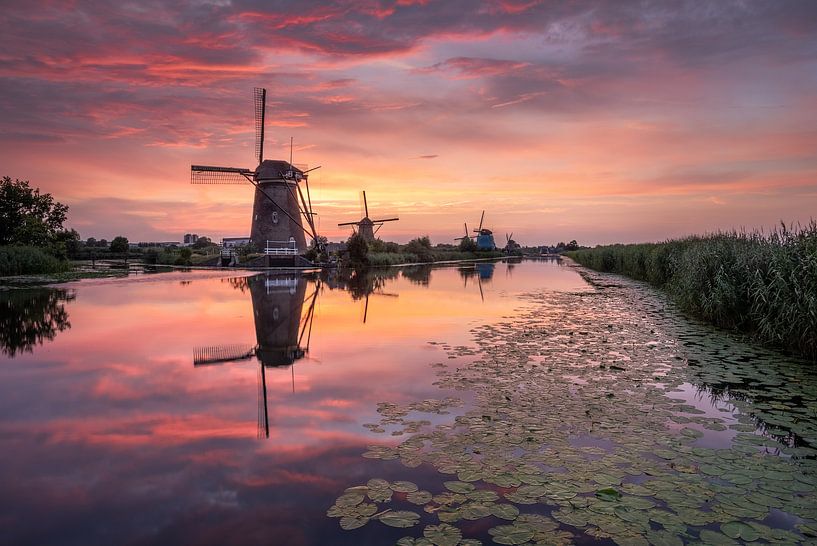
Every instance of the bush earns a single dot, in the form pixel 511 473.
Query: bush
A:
pixel 764 285
pixel 358 249
pixel 28 260
pixel 421 248
pixel 468 245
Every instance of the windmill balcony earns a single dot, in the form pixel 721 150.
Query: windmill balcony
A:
pixel 281 248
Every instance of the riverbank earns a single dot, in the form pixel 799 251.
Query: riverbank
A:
pixel 601 414
pixel 764 285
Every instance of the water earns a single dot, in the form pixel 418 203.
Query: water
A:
pixel 218 408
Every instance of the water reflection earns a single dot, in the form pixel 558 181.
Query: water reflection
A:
pixel 282 330
pixel 479 271
pixel 32 317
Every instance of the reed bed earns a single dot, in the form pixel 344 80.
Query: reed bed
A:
pixel 763 284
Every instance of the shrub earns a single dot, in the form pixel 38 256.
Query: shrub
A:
pixel 27 260
pixel 421 248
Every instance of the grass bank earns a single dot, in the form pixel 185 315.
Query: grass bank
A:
pixel 761 284
pixel 379 259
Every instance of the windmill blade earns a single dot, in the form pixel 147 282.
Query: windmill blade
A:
pixel 349 224
pixel 385 220
pixel 365 205
pixel 466 229
pixel 205 174
pixel 260 101
pixel 481 218
pixel 220 354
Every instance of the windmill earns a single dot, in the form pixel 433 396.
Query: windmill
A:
pixel 485 237
pixel 466 236
pixel 283 333
pixel 279 207
pixel 366 226
pixel 511 246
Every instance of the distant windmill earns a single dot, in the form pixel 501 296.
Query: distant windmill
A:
pixel 280 207
pixel 511 246
pixel 466 236
pixel 366 226
pixel 485 237
pixel 283 333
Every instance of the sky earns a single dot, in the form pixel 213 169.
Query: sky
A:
pixel 600 121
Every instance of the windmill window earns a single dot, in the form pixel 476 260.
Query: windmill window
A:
pixel 275 217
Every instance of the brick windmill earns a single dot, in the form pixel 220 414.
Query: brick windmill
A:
pixel 366 226
pixel 280 209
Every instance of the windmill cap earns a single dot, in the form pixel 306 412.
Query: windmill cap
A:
pixel 274 169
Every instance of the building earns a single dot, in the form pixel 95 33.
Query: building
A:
pixel 190 238
pixel 232 242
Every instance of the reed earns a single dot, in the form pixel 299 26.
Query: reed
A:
pixel 763 284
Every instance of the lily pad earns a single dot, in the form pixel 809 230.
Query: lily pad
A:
pixel 403 487
pixel 738 529
pixel 348 523
pixel 443 534
pixel 511 534
pixel 400 518
pixel 504 511
pixel 608 494
pixel 419 497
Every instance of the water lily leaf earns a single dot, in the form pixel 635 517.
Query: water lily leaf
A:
pixel 449 516
pixel 664 538
pixel 504 511
pixel 419 497
pixel 347 523
pixel 738 529
pixel 403 487
pixel 474 511
pixel 483 495
pixel 411 541
pixel 459 487
pixel 511 534
pixel 608 494
pixel 713 537
pixel 400 518
pixel 377 483
pixel 443 534
pixel 350 499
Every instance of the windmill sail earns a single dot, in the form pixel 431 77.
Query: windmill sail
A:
pixel 260 101
pixel 205 174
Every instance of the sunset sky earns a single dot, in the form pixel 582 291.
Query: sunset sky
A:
pixel 603 122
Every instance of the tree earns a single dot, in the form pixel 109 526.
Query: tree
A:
pixel 572 245
pixel 467 244
pixel 203 242
pixel 66 243
pixel 358 249
pixel 119 244
pixel 28 217
pixel 420 247
pixel 91 241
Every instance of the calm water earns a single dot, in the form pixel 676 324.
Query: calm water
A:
pixel 111 433
pixel 209 408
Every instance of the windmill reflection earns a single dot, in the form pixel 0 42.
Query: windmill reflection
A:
pixel 32 317
pixel 282 330
pixel 363 283
pixel 482 272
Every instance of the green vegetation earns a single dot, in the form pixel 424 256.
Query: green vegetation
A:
pixel 761 284
pixel 28 260
pixel 420 250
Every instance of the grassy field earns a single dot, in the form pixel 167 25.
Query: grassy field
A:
pixel 763 284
